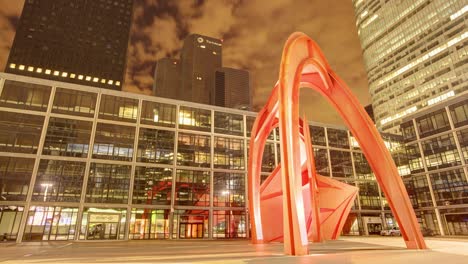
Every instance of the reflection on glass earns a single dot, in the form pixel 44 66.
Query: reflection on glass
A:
pixel 229 224
pixel 10 218
pixel 15 175
pixel 158 114
pixel 337 138
pixel 59 181
pixel 26 96
pixel 463 140
pixel 149 224
pixel 363 170
pixel 190 224
pixel 152 186
pixel 193 150
pixel 321 161
pixel 103 224
pixel 74 102
pixel 229 153
pixel 369 195
pixel 418 191
pixel 441 152
pixel 50 223
pixel 229 189
pixel 67 137
pixel 155 146
pixel 433 123
pixel 268 160
pixel 118 108
pixel 108 183
pixel 24 140
pixel 341 163
pixel 229 124
pixel 318 135
pixel 450 187
pixel 192 188
pixel 194 118
pixel 114 142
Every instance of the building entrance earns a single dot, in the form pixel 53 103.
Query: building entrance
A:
pixel 103 227
pixel 190 230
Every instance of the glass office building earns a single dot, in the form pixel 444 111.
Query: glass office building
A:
pixel 82 163
pixel 437 146
pixel 415 54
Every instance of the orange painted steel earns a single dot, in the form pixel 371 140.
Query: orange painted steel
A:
pixel 295 204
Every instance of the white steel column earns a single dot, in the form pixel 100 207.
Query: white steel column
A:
pixel 24 217
pixel 174 175
pixel 79 218
pixel 429 183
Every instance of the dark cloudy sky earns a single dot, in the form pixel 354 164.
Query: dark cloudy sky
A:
pixel 254 32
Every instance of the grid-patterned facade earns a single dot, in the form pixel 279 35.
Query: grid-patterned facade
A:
pixel 76 41
pixel 84 163
pixel 232 88
pixel 437 145
pixel 415 54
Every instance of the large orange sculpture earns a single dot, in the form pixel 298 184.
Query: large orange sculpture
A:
pixel 294 204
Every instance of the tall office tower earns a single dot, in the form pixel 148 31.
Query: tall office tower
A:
pixel 415 54
pixel 201 56
pixel 167 78
pixel 232 88
pixel 79 41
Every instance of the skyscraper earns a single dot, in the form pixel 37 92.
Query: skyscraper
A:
pixel 80 41
pixel 415 54
pixel 232 88
pixel 167 78
pixel 201 56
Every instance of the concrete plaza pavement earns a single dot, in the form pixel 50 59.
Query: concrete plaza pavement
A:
pixel 367 250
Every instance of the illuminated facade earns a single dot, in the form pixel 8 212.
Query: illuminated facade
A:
pixel 414 52
pixel 436 140
pixel 82 42
pixel 91 163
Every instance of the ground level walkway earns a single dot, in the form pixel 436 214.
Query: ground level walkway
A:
pixel 371 250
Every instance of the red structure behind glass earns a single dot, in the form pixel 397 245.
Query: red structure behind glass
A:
pixel 294 204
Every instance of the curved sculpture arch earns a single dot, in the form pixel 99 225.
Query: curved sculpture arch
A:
pixel 295 181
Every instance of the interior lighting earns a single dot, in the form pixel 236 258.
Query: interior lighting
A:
pixel 12 65
pixel 30 69
pixel 56 73
pixel 95 79
pixel 39 70
pixel 64 74
pixel 88 78
pixel 21 67
pixel 80 77
pixel 72 75
pixel 47 71
pixel 110 82
pixel 117 83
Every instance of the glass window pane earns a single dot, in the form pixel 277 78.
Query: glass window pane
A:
pixel 363 170
pixel 15 175
pixel 229 153
pixel 369 196
pixel 50 223
pixel 321 161
pixel 158 114
pixel 152 186
pixel 441 152
pixel 108 183
pixel 194 118
pixel 67 137
pixel 341 163
pixel 118 108
pixel 229 224
pixel 409 133
pixel 337 138
pixel 24 140
pixel 59 181
pixel 73 102
pixel 193 150
pixel 190 224
pixel 318 135
pixel 433 123
pixel 463 139
pixel 155 146
pixel 10 218
pixel 418 191
pixel 459 113
pixel 114 142
pixel 26 96
pixel 450 187
pixel 192 188
pixel 103 223
pixel 229 189
pixel 268 159
pixel 414 158
pixel 149 224
pixel 229 124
